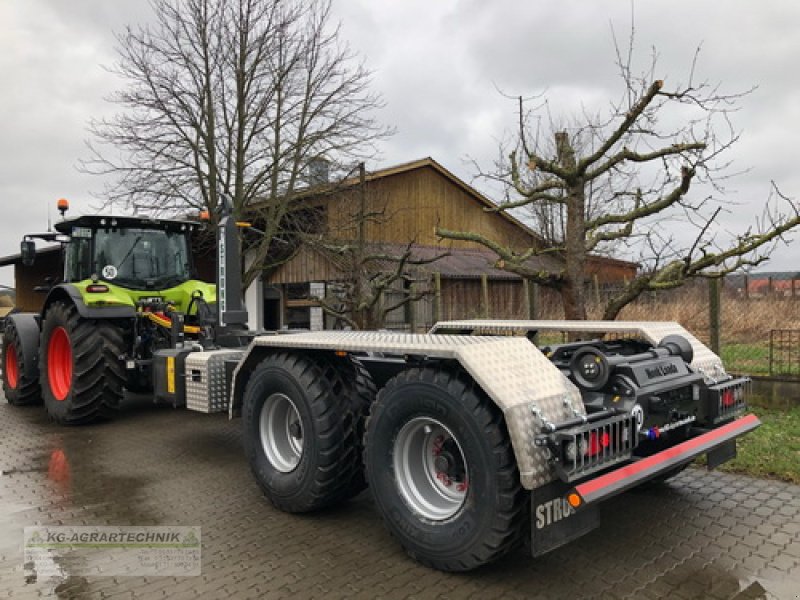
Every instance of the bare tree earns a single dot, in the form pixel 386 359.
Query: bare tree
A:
pixel 370 270
pixel 233 96
pixel 624 177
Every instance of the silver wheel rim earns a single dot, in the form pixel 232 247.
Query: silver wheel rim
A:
pixel 430 469
pixel 281 432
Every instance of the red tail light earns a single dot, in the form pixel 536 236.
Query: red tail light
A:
pixel 728 398
pixel 597 442
pixel 97 288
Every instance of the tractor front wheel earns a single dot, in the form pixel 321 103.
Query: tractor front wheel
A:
pixel 80 372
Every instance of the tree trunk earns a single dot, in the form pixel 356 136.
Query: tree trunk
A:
pixel 573 292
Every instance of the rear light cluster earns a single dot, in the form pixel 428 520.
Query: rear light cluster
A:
pixel 727 400
pixel 585 449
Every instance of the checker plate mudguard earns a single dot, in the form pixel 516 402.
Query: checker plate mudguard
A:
pixel 554 522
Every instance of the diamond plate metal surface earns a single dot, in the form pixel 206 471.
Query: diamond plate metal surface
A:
pixel 205 380
pixel 512 371
pixel 704 360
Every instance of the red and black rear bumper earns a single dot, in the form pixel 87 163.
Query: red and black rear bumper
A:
pixel 619 480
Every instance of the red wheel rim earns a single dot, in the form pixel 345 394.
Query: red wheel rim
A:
pixel 59 363
pixel 12 366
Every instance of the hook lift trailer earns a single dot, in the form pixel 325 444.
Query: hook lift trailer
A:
pixel 471 438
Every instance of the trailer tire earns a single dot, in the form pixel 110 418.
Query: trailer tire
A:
pixel 81 375
pixel 20 379
pixel 300 432
pixel 442 471
pixel 361 395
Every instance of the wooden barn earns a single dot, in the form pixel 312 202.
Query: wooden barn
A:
pixel 395 207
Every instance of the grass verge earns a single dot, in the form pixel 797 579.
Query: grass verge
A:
pixel 752 359
pixel 773 450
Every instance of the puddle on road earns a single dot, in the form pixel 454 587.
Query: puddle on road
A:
pixel 64 480
pixel 692 579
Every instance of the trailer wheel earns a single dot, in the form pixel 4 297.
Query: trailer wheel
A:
pixel 442 471
pixel 20 380
pixel 361 394
pixel 81 375
pixel 300 432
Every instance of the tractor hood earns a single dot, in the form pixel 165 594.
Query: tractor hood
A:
pixel 107 295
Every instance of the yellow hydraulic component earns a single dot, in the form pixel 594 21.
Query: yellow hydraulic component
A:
pixel 165 322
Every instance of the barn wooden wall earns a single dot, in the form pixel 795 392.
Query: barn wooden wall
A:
pixel 412 204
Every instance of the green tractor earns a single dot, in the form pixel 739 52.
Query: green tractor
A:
pixel 128 290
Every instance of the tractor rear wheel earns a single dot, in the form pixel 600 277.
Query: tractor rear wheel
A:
pixel 20 383
pixel 80 372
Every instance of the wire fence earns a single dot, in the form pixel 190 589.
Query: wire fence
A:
pixel 784 352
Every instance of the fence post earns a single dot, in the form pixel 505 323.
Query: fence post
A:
pixel 484 296
pixel 412 309
pixel 437 297
pixel 531 291
pixel 714 303
pixel 771 351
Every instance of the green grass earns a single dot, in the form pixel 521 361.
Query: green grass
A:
pixel 773 450
pixel 750 359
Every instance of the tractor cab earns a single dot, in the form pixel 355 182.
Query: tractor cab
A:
pixel 130 252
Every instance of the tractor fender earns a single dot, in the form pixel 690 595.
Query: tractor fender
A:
pixel 27 326
pixel 66 292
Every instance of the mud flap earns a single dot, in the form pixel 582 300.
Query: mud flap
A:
pixel 554 522
pixel 721 454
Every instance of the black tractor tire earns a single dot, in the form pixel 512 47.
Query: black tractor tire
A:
pixel 20 380
pixel 81 374
pixel 300 433
pixel 454 515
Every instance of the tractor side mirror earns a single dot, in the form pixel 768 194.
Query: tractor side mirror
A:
pixel 28 251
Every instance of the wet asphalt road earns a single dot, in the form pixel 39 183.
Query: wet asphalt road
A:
pixel 705 535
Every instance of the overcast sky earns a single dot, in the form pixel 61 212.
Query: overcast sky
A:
pixel 438 64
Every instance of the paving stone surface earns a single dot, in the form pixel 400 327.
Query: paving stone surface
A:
pixel 703 535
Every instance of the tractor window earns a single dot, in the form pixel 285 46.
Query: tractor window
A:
pixel 78 264
pixel 142 258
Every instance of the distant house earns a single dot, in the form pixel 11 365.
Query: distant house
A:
pixel 7 302
pixel 32 282
pixel 776 284
pixel 406 203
